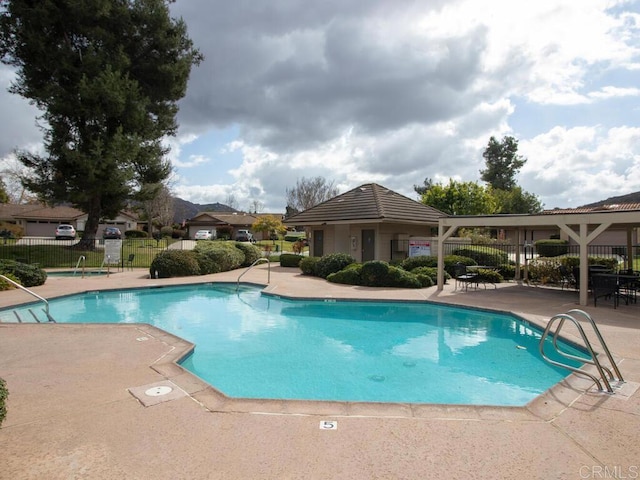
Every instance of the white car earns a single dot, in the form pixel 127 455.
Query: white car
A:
pixel 65 231
pixel 204 235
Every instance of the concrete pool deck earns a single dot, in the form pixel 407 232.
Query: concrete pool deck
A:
pixel 81 404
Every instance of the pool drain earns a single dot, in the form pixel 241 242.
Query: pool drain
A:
pixel 158 391
pixel 377 378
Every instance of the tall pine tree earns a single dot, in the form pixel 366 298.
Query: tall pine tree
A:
pixel 107 75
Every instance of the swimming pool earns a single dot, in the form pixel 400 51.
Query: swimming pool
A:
pixel 251 345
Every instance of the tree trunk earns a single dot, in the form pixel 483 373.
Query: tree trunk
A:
pixel 88 240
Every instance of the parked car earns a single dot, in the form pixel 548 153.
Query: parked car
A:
pixel 111 232
pixel 244 236
pixel 65 231
pixel 204 235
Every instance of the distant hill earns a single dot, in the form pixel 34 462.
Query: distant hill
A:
pixel 184 210
pixel 628 198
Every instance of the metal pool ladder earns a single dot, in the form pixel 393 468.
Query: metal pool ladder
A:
pixel 46 304
pixel 261 259
pixel 606 378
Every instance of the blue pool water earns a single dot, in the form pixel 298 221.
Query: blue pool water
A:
pixel 258 346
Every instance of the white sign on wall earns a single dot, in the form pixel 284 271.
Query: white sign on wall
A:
pixel 419 247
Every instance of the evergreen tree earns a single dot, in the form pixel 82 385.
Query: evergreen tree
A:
pixel 503 163
pixel 107 75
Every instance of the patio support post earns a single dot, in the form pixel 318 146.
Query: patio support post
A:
pixel 442 236
pixel 584 265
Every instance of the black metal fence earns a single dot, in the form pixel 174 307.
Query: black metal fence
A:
pixel 50 253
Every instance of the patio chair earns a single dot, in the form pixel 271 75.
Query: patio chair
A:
pixel 462 275
pixel 566 277
pixel 605 286
pixel 129 262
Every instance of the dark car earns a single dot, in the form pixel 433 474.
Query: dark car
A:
pixel 111 232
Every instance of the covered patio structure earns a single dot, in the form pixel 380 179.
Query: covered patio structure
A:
pixel 583 228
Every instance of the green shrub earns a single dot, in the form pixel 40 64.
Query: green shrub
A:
pixel 483 255
pixel 419 261
pixel 374 273
pixel 290 260
pixel 507 271
pixel 552 248
pixel 294 237
pixel 349 275
pixel 250 251
pixel 27 275
pixel 4 285
pixel 309 265
pixel 215 257
pixel 4 393
pixel 174 263
pixel 431 272
pixel 425 280
pixel 489 276
pixel 179 233
pixel 332 263
pixel 135 234
pixel 166 231
pixel 400 278
pixel 543 270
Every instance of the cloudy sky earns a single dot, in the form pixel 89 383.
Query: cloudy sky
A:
pixel 396 91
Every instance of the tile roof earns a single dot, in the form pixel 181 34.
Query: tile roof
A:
pixel 225 218
pixel 369 202
pixel 615 207
pixel 51 213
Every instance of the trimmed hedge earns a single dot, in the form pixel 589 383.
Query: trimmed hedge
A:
pixel 347 276
pixel 552 248
pixel 290 260
pixel 251 253
pixel 174 263
pixel 135 234
pixel 309 265
pixel 332 263
pixel 419 261
pixel 27 275
pixel 292 237
pixel 215 257
pixel 483 255
pixel 376 273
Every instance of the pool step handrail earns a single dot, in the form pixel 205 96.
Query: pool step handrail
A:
pixel 82 260
pixel 46 303
pixel 604 373
pixel 260 260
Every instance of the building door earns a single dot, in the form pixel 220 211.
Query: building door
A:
pixel 318 243
pixel 368 245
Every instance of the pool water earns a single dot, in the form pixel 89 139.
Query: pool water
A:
pixel 258 346
pixel 77 273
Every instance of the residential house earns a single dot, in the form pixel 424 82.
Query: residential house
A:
pixel 214 221
pixel 41 221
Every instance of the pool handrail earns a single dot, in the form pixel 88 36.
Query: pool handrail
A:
pixel 83 260
pixel 261 259
pixel 46 303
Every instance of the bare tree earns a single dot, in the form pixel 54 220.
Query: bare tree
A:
pixel 309 192
pixel 231 201
pixel 159 207
pixel 12 173
pixel 256 206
